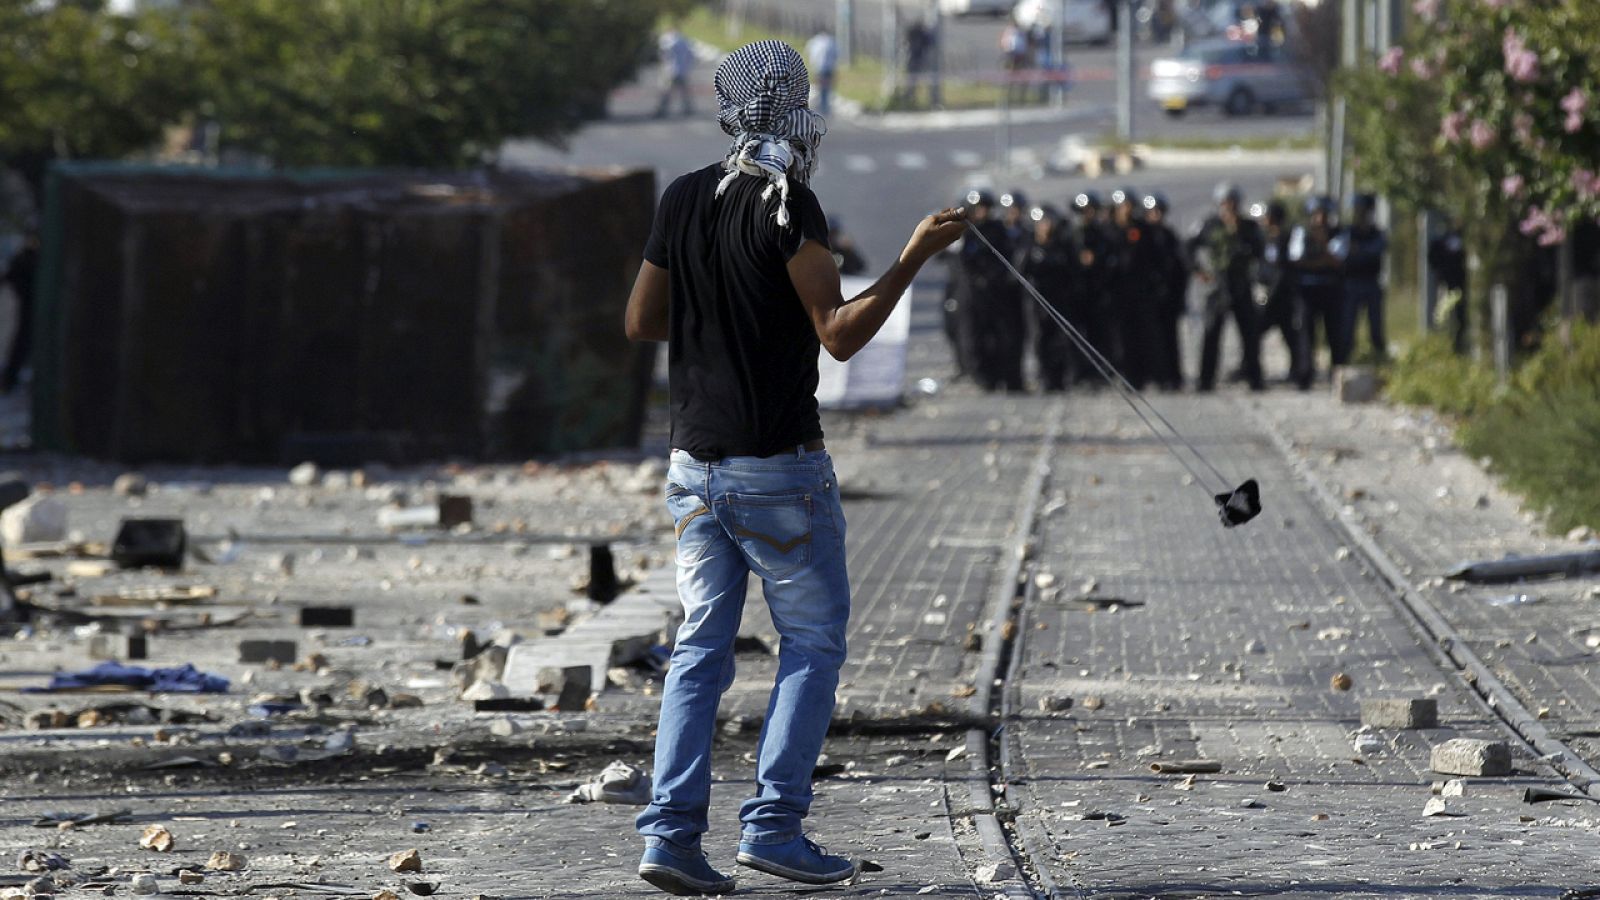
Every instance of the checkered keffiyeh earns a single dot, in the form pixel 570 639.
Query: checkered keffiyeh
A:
pixel 762 90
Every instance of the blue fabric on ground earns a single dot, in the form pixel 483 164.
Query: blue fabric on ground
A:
pixel 184 679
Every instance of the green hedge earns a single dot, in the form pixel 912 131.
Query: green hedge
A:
pixel 1540 432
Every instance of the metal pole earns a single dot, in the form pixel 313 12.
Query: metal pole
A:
pixel 843 30
pixel 1426 286
pixel 1058 55
pixel 891 54
pixel 935 86
pixel 1125 71
pixel 1500 331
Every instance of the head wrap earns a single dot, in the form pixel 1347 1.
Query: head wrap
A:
pixel 762 89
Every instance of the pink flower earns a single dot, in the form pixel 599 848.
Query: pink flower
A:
pixel 1511 185
pixel 1522 64
pixel 1586 183
pixel 1536 220
pixel 1420 68
pixel 1389 64
pixel 1450 127
pixel 1522 126
pixel 1574 104
pixel 1552 235
pixel 1482 134
pixel 1428 10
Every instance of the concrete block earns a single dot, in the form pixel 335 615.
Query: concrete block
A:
pixel 260 651
pixel 327 617
pixel 1404 713
pixel 1469 756
pixel 118 647
pixel 1355 384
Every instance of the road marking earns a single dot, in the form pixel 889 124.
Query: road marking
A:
pixel 966 159
pixel 911 160
pixel 861 163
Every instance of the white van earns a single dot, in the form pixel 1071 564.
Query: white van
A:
pixel 1084 20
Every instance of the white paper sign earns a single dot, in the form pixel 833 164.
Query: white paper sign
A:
pixel 876 375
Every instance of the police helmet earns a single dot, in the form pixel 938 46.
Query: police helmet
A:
pixel 1014 198
pixel 1156 200
pixel 1043 212
pixel 1086 200
pixel 1364 202
pixel 1227 192
pixel 1320 203
pixel 1276 211
pixel 980 197
pixel 1126 195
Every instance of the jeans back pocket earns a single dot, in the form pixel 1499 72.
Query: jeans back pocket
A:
pixel 773 530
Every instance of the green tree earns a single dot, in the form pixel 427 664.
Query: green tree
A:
pixel 427 83
pixel 79 82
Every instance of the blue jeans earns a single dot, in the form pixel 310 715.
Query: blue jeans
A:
pixel 780 518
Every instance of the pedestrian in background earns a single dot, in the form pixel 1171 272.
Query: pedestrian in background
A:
pixel 1447 258
pixel 1138 290
pixel 1015 57
pixel 919 59
pixel 1361 247
pixel 1225 250
pixel 1318 279
pixel 845 252
pixel 737 278
pixel 677 64
pixel 822 52
pixel 1174 299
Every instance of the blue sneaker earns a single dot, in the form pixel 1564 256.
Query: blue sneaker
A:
pixel 684 876
pixel 797 860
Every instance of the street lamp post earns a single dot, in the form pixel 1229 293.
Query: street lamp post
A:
pixel 1125 71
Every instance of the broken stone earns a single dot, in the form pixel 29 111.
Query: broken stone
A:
pixel 504 726
pixel 575 688
pixel 406 861
pixel 130 484
pixel 226 861
pixel 34 860
pixel 190 876
pixel 995 873
pixel 157 838
pixel 1093 703
pixel 36 520
pixel 144 883
pixel 1438 806
pixel 1341 682
pixel 1471 756
pixel 1403 713
pixel 1366 744
pixel 1580 533
pixel 1054 703
pixel 386 895
pixel 491 770
pixel 616 783
pixel 305 475
pixel 1455 787
pixel 261 651
pixel 486 690
pixel 1255 646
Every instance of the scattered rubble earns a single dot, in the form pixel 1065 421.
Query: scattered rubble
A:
pixel 617 783
pixel 157 838
pixel 1402 713
pixel 1470 756
pixel 226 861
pixel 406 861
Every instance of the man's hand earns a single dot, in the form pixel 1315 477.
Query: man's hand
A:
pixel 933 234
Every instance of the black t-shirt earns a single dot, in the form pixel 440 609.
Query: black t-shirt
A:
pixel 741 351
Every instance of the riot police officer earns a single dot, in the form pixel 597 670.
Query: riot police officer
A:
pixel 1225 250
pixel 1174 294
pixel 990 325
pixel 1095 253
pixel 1318 279
pixel 1279 303
pixel 1361 246
pixel 1050 263
pixel 1014 209
pixel 1138 289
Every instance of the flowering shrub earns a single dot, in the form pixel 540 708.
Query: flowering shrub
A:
pixel 1487 112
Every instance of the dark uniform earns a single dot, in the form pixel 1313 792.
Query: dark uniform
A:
pixel 1050 263
pixel 990 322
pixel 1175 293
pixel 1361 247
pixel 1227 255
pixel 1447 257
pixel 1093 303
pixel 1318 279
pixel 1282 309
pixel 1138 289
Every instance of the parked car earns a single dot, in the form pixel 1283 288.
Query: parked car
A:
pixel 975 7
pixel 1237 77
pixel 1087 21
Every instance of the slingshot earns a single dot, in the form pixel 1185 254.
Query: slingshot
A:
pixel 1235 506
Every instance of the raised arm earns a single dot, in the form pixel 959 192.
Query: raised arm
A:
pixel 844 327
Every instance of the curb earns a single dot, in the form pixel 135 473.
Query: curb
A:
pixel 1447 643
pixel 995 843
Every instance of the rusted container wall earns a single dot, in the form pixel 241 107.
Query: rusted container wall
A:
pixel 195 316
